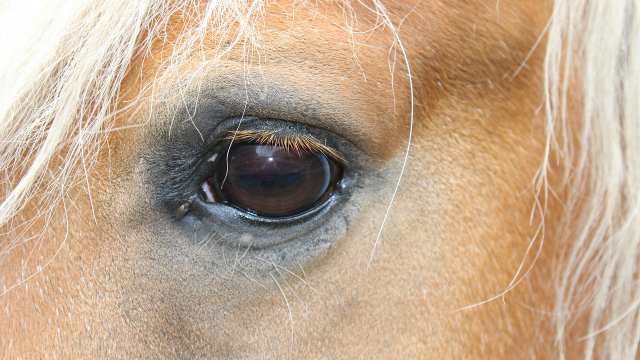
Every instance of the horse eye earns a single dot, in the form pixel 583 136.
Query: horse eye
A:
pixel 272 181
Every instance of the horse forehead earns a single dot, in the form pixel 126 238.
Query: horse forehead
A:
pixel 423 25
pixel 353 45
pixel 364 41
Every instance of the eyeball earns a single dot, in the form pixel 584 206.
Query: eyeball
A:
pixel 271 180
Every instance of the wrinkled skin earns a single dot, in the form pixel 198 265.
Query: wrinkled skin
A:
pixel 135 282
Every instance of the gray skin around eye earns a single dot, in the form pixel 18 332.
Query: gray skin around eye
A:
pixel 221 240
pixel 226 250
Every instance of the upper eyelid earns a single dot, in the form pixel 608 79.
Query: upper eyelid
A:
pixel 247 92
pixel 290 141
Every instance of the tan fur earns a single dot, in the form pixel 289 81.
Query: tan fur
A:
pixel 459 230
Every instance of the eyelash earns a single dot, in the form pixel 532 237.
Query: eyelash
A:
pixel 295 142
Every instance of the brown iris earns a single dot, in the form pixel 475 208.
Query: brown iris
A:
pixel 272 181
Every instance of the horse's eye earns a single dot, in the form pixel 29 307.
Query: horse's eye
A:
pixel 272 181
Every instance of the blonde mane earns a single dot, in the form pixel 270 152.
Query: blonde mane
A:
pixel 58 87
pixel 596 42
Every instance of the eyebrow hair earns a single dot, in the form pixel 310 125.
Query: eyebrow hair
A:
pixel 294 142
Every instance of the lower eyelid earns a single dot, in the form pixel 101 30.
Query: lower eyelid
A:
pixel 218 218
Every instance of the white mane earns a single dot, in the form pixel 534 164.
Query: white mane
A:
pixel 597 42
pixel 57 90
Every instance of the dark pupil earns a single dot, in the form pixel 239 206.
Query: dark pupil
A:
pixel 273 181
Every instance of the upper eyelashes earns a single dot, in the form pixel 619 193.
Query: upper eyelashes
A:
pixel 297 143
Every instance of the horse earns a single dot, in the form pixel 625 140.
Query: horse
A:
pixel 320 179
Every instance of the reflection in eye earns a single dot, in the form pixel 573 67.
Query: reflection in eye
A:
pixel 272 180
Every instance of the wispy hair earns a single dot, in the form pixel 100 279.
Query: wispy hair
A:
pixel 593 55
